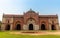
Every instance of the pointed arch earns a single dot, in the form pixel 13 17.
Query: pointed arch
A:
pixel 30 26
pixel 43 27
pixel 18 27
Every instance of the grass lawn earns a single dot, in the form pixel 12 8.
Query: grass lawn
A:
pixel 7 34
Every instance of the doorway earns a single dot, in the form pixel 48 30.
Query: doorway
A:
pixel 43 27
pixel 30 26
pixel 7 27
pixel 53 27
pixel 18 27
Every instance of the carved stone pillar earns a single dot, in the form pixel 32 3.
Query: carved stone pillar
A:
pixel 36 27
pixel 25 27
pixel 11 27
pixel 49 26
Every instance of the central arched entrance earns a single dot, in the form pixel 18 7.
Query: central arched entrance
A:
pixel 7 27
pixel 30 26
pixel 43 27
pixel 18 27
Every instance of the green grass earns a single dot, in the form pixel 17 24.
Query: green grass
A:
pixel 7 34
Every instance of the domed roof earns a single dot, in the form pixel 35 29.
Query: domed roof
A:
pixel 30 11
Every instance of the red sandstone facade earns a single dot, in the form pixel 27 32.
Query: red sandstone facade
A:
pixel 30 21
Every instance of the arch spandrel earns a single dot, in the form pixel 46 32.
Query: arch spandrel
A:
pixel 31 21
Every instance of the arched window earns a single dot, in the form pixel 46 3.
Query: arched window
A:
pixel 52 22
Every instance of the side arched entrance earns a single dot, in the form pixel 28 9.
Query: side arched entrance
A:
pixel 7 27
pixel 43 27
pixel 53 27
pixel 18 25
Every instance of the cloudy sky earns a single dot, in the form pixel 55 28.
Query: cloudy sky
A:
pixel 20 6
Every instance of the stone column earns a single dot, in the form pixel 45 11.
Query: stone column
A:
pixel 11 27
pixel 49 26
pixel 36 27
pixel 25 27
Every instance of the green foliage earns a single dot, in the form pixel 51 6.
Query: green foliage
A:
pixel 8 35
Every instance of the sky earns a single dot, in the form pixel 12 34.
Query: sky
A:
pixel 47 7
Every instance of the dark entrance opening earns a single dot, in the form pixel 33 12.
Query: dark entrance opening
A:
pixel 43 27
pixel 0 27
pixel 18 27
pixel 53 27
pixel 7 27
pixel 30 26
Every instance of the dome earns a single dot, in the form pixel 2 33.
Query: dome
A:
pixel 30 11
